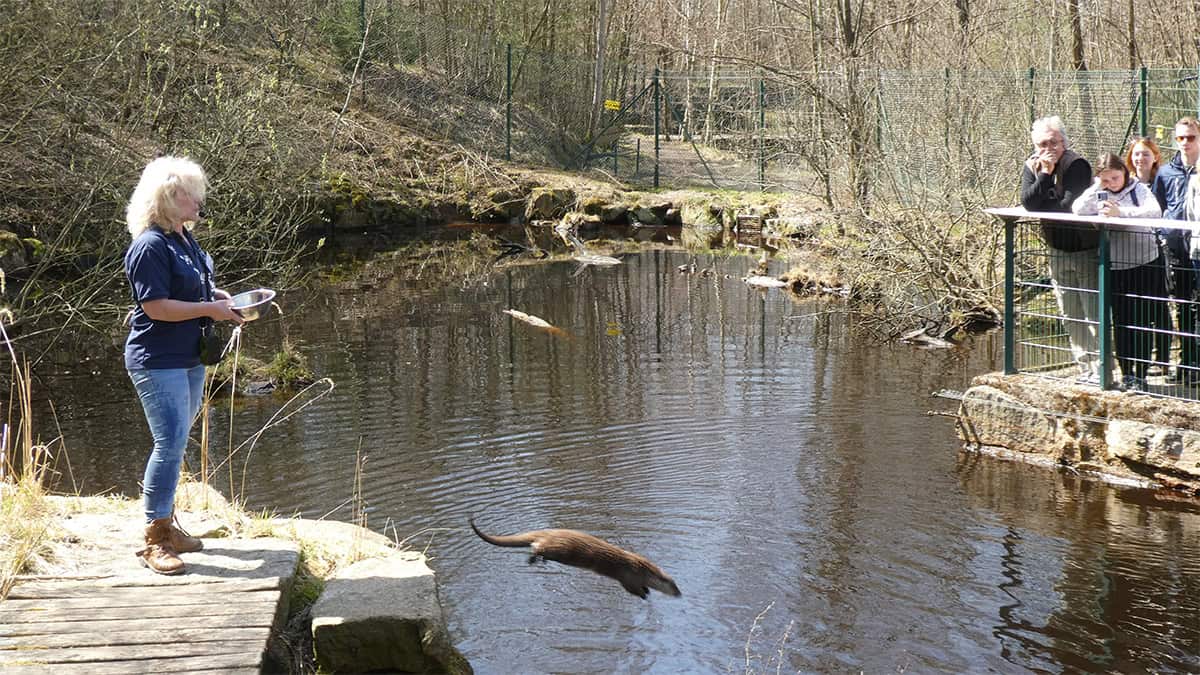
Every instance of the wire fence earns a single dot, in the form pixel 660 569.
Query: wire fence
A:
pixel 946 138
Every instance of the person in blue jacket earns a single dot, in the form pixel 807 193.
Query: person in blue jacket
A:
pixel 1170 189
pixel 170 277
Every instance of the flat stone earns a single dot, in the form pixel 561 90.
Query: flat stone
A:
pixel 383 614
pixel 98 538
pixel 649 215
pixel 358 541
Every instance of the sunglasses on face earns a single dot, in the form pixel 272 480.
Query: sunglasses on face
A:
pixel 1186 137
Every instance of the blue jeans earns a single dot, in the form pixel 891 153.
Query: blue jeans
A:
pixel 171 398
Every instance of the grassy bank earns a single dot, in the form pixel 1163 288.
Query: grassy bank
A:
pixel 297 149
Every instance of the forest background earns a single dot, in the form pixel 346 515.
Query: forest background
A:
pixel 910 115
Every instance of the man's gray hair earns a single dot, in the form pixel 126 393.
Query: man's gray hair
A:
pixel 1051 123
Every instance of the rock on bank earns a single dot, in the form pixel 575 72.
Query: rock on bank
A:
pixel 1149 440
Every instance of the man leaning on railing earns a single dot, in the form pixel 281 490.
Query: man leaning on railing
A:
pixel 1170 187
pixel 1051 180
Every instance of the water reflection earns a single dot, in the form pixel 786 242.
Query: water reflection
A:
pixel 1094 602
pixel 751 444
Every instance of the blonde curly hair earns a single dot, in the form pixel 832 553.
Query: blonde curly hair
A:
pixel 153 200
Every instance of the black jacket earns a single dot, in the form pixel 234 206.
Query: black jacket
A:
pixel 1170 189
pixel 1056 192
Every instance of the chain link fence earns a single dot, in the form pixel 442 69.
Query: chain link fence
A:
pixel 943 139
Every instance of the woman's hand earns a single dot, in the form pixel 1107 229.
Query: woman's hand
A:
pixel 222 310
pixel 1110 209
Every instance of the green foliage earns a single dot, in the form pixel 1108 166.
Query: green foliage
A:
pixel 341 29
pixel 387 40
pixel 248 368
pixel 289 368
pixel 307 584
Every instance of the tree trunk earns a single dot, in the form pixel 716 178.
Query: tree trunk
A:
pixel 712 71
pixel 1133 58
pixel 1079 64
pixel 818 158
pixel 598 74
pixel 1077 60
pixel 855 117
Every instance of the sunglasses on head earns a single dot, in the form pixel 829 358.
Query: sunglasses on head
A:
pixel 1186 137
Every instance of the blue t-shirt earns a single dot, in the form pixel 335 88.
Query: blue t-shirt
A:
pixel 161 265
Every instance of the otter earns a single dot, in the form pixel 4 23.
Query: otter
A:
pixel 569 547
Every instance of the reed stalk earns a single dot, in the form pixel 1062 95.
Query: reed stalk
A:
pixel 25 466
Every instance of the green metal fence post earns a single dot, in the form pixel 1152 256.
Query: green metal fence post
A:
pixel 657 104
pixel 508 106
pixel 1009 282
pixel 1105 302
pixel 1032 100
pixel 1144 123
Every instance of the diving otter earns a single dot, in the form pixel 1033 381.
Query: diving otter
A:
pixel 636 574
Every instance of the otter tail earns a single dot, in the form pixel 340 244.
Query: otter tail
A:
pixel 513 541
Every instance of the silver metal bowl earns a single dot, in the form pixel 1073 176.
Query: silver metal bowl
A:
pixel 253 304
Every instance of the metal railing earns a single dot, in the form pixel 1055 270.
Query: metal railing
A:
pixel 1120 313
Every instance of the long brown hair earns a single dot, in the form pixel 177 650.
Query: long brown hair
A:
pixel 1154 150
pixel 1110 161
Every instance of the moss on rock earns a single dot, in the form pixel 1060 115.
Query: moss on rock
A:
pixel 548 203
pixel 13 254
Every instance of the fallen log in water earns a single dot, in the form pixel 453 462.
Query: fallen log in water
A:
pixel 536 322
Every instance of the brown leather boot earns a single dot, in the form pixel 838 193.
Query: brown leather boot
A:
pixel 181 541
pixel 158 555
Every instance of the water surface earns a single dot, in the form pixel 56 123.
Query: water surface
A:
pixel 781 467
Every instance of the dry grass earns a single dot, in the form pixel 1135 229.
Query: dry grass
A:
pixel 27 525
pixel 26 522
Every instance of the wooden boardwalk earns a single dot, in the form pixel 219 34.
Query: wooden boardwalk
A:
pixel 218 617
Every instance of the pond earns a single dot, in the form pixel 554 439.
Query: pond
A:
pixel 780 466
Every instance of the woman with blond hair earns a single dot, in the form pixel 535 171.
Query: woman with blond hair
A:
pixel 1143 159
pixel 171 280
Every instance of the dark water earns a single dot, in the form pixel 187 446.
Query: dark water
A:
pixel 777 465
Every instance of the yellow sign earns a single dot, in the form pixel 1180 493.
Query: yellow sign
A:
pixel 610 104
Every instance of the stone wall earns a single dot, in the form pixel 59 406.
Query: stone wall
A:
pixel 1130 436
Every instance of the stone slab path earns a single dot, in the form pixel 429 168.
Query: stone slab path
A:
pixel 123 618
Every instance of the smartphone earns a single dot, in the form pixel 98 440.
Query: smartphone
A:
pixel 1101 196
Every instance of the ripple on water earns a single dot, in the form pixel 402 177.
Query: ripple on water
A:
pixel 782 469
